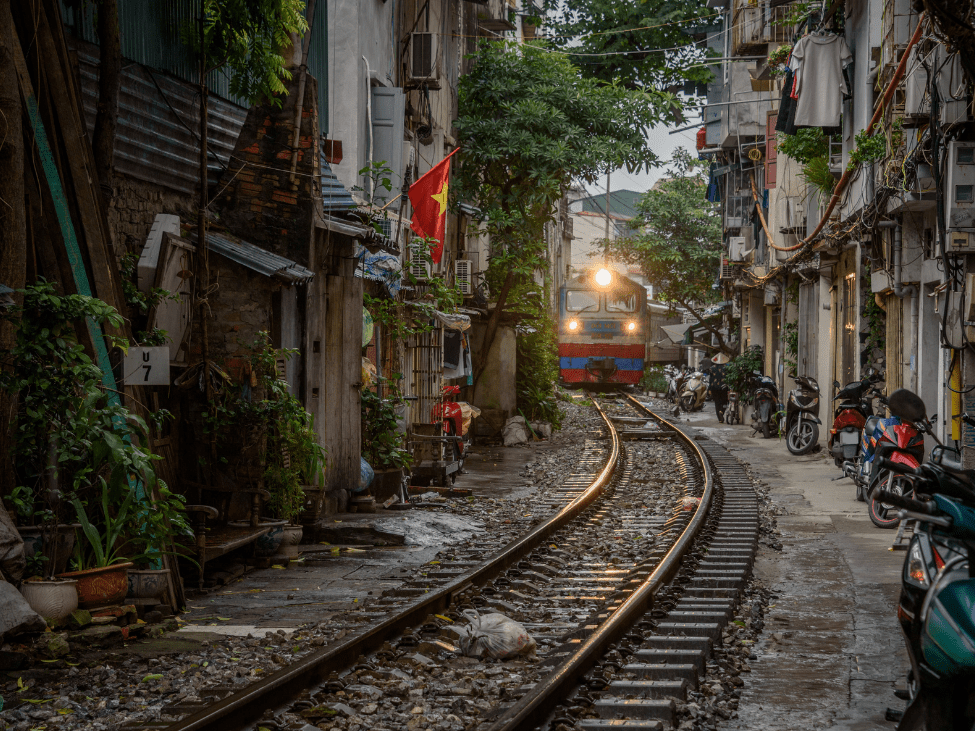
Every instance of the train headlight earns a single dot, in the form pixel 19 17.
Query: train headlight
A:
pixel 573 324
pixel 631 326
pixel 604 277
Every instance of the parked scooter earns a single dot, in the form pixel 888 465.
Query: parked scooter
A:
pixel 695 392
pixel 856 404
pixel 898 439
pixel 937 591
pixel 732 412
pixel 676 380
pixel 765 399
pixel 801 420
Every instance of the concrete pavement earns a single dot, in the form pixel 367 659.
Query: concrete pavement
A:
pixel 832 650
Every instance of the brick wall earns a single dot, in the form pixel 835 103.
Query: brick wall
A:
pixel 133 208
pixel 260 202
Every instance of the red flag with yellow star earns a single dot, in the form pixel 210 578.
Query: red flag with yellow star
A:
pixel 429 198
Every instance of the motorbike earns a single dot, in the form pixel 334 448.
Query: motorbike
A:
pixel 695 392
pixel 675 383
pixel 765 398
pixel 856 404
pixel 732 412
pixel 937 591
pixel 801 421
pixel 899 439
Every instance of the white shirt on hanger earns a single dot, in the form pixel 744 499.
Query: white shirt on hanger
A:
pixel 821 59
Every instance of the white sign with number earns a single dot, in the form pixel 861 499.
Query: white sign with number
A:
pixel 146 367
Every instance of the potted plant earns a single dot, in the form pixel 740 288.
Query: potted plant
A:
pixel 53 599
pixel 100 569
pixel 383 439
pixel 295 460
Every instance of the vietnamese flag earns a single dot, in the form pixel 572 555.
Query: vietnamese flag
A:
pixel 429 198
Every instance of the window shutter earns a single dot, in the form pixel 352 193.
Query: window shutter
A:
pixel 770 149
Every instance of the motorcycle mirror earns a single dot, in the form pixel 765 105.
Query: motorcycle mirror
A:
pixel 907 405
pixel 836 384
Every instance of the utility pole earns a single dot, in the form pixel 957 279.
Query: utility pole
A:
pixel 606 245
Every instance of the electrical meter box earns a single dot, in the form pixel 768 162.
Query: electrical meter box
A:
pixel 961 242
pixel 960 187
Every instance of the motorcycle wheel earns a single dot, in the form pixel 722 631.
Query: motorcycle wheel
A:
pixel 882 515
pixel 687 403
pixel 802 437
pixel 766 429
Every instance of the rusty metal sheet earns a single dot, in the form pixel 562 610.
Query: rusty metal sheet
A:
pixel 156 140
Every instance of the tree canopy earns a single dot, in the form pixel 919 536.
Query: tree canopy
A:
pixel 676 241
pixel 529 123
pixel 249 36
pixel 643 44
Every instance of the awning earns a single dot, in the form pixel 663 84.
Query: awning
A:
pixel 454 321
pixel 257 259
pixel 334 195
pixel 362 232
pixel 676 332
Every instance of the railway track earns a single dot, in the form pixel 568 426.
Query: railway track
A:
pixel 625 591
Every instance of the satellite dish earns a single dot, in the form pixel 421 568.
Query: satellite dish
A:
pixel 755 155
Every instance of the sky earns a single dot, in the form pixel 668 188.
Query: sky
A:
pixel 664 145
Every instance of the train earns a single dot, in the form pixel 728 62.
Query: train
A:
pixel 609 332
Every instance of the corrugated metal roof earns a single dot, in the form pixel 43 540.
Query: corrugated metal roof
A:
pixel 334 195
pixel 257 259
pixel 156 138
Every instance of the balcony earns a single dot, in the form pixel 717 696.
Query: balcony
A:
pixel 755 24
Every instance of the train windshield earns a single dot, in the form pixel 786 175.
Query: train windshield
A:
pixel 579 300
pixel 621 302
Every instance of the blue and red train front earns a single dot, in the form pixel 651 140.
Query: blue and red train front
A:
pixel 602 337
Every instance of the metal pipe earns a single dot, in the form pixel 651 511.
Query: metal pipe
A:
pixel 369 118
pixel 900 291
pixel 300 104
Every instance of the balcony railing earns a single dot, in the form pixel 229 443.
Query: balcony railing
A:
pixel 755 24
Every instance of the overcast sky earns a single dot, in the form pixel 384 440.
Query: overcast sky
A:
pixel 664 145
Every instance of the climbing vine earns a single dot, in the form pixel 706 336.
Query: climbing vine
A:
pixel 790 338
pixel 876 320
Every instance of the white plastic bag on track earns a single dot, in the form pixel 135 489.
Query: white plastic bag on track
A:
pixel 494 636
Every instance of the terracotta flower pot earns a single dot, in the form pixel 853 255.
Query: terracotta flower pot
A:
pixel 101 587
pixel 292 537
pixel 147 583
pixel 51 599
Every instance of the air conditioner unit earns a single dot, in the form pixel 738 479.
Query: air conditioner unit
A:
pixel 423 56
pixel 729 270
pixel 736 248
pixel 464 276
pixel 419 263
pixel 960 187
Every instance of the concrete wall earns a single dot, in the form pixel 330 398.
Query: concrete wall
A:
pixel 496 389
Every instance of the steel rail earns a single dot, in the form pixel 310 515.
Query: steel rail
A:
pixel 533 708
pixel 245 706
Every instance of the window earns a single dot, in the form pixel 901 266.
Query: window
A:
pixel 578 300
pixel 621 302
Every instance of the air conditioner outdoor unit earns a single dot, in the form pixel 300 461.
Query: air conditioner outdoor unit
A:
pixel 423 56
pixel 736 248
pixel 729 270
pixel 960 188
pixel 464 276
pixel 419 263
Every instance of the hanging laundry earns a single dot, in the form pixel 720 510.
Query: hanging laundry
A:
pixel 821 86
pixel 786 122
